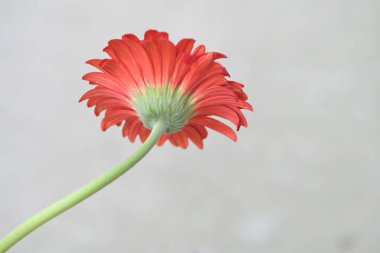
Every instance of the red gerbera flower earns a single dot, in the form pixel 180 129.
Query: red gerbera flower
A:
pixel 152 79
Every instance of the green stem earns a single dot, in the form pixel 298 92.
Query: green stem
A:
pixel 83 193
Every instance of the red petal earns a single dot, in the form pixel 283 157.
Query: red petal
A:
pixel 242 118
pixel 247 106
pixel 214 92
pixel 144 133
pixel 169 54
pixel 214 77
pixel 215 125
pixel 127 126
pixel 151 35
pixel 220 111
pixel 197 71
pixel 181 139
pixel 201 130
pixel 131 128
pixel 111 118
pixel 126 56
pixel 142 59
pixel 163 36
pixel 173 140
pixel 117 70
pixel 155 57
pixel 185 46
pixel 236 84
pixel 111 103
pixel 194 136
pixel 217 55
pixel 200 50
pixel 95 63
pixel 134 129
pixel 106 81
pixel 130 36
pixel 218 100
pixel 162 140
pixel 104 93
pixel 180 69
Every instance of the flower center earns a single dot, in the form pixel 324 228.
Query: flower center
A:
pixel 163 104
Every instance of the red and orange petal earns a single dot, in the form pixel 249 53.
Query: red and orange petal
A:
pixel 156 61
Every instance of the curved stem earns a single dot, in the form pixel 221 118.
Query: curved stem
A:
pixel 83 193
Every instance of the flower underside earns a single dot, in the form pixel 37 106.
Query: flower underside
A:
pixel 150 80
pixel 162 103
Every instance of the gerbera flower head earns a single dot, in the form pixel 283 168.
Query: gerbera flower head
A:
pixel 153 79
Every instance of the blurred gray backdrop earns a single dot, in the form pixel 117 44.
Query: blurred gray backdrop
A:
pixel 303 177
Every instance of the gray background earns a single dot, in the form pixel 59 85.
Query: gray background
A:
pixel 303 177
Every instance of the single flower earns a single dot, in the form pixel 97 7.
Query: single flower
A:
pixel 151 80
pixel 158 91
